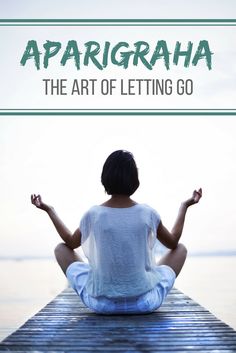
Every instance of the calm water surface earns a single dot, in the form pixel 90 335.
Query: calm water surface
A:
pixel 28 285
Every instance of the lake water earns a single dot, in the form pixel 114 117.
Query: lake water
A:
pixel 211 281
pixel 28 285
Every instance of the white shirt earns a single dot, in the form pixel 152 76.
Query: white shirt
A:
pixel 119 244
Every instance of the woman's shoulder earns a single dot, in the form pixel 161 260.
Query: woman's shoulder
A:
pixel 92 210
pixel 148 208
pixel 102 207
pixel 136 208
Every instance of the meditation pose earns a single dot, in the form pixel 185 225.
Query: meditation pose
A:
pixel 119 239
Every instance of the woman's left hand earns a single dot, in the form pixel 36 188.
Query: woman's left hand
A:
pixel 36 200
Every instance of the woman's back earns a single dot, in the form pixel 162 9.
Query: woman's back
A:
pixel 118 243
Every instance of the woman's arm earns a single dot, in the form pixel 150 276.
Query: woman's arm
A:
pixel 171 239
pixel 72 240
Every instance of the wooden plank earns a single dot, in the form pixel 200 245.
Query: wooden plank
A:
pixel 66 325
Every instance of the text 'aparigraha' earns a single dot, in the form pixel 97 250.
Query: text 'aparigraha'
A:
pixel 122 54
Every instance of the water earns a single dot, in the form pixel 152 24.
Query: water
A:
pixel 28 285
pixel 211 282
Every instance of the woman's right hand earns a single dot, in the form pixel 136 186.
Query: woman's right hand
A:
pixel 197 194
pixel 36 200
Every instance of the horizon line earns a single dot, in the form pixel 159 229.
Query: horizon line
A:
pixel 51 257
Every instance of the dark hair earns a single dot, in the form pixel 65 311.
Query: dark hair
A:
pixel 120 174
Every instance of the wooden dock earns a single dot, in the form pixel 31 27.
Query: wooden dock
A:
pixel 66 325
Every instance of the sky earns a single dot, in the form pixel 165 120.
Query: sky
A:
pixel 62 157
